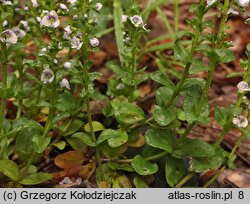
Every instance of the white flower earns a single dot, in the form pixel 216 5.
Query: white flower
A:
pixel 47 76
pixel 65 83
pixel 25 25
pixel 136 20
pixel 232 11
pixel 211 2
pixel 5 23
pixel 67 33
pixel 85 15
pixel 6 2
pixel 26 8
pixel 94 42
pixel 34 3
pixel 8 37
pixel 76 43
pixel 63 7
pixel 243 86
pixel 55 61
pixel 50 20
pixel 243 3
pixel 19 32
pixel 127 39
pixel 124 18
pixel 98 6
pixel 67 65
pixel 240 121
pixel 75 17
pixel 38 19
pixel 72 2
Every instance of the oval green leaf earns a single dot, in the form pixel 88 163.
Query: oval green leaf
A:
pixel 164 116
pixel 9 169
pixel 37 178
pixel 85 138
pixel 143 167
pixel 162 139
pixel 193 148
pixel 96 127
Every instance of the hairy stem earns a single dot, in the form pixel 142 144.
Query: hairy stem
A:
pixel 213 63
pixel 195 41
pixel 4 85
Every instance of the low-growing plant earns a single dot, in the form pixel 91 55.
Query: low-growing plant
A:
pixel 48 89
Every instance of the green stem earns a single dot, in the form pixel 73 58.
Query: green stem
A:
pixel 227 127
pixel 213 63
pixel 20 80
pixel 184 180
pixel 151 158
pixel 214 177
pixel 237 144
pixel 4 85
pixel 85 69
pixel 176 15
pixel 195 41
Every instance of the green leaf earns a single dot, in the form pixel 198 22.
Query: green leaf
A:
pixel 124 167
pixel 96 127
pixel 180 52
pixel 40 143
pixel 6 93
pixel 16 46
pixel 59 117
pixel 24 144
pixel 225 56
pixel 193 148
pixel 73 127
pixel 77 144
pixel 175 170
pixel 85 138
pixel 203 164
pixel 221 115
pixel 105 135
pixel 139 183
pixel 120 138
pixel 190 82
pixel 197 66
pixel 143 167
pixel 59 145
pixel 191 104
pixel 128 113
pixel 66 103
pixel 162 139
pixel 161 78
pixel 118 27
pixel 164 116
pixel 9 169
pixel 34 179
pixel 246 133
pixel 163 95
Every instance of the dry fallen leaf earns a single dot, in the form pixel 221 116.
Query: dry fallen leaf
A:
pixel 69 160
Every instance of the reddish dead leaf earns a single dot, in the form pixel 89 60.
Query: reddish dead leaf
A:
pixel 73 172
pixel 69 160
pixel 98 57
pixel 144 90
